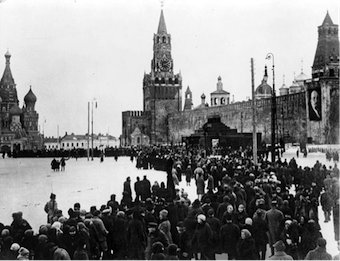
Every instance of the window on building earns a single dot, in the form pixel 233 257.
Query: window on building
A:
pixel 138 140
pixel 67 144
pixel 164 39
pixel 82 144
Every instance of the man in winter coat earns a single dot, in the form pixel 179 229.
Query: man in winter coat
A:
pixel 102 233
pixel 202 239
pixel 230 233
pixel 280 247
pixel 274 218
pixel 154 235
pixel 319 253
pixel 50 208
pixel 136 237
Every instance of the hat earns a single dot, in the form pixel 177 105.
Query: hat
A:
pixel 172 249
pixel 62 219
pixel 82 212
pixel 201 217
pixel 106 211
pixel 43 229
pixel 163 213
pixel 23 252
pixel 321 242
pixel 52 196
pixel 288 222
pixel 180 224
pixel 42 239
pixel 248 221
pixel 246 232
pixel 152 224
pixel 157 247
pixel 15 247
pixel 210 212
pixel 121 214
pixel 5 232
pixel 279 246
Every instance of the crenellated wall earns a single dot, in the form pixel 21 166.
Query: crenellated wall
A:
pixel 291 118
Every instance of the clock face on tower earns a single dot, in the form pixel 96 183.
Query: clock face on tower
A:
pixel 164 64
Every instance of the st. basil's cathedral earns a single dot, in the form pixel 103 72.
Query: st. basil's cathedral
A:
pixel 18 126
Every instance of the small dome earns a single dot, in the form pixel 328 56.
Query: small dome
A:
pixel 7 54
pixel 284 86
pixel 15 110
pixel 294 85
pixel 263 88
pixel 219 78
pixel 202 96
pixel 30 97
pixel 301 77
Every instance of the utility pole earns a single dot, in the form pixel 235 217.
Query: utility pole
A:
pixel 254 112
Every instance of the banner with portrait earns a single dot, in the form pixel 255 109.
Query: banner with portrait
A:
pixel 314 104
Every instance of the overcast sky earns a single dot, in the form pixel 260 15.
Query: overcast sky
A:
pixel 74 51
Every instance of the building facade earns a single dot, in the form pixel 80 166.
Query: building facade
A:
pixel 307 111
pixel 18 126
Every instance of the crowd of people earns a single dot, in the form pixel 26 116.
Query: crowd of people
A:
pixel 240 209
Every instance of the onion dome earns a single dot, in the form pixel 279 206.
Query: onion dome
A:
pixel 15 110
pixel 8 55
pixel 219 78
pixel 301 77
pixel 263 89
pixel 30 97
pixel 203 96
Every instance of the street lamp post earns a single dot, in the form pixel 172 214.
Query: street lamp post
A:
pixel 92 152
pixel 273 107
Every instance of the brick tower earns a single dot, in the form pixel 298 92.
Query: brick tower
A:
pixel 162 88
pixel 322 95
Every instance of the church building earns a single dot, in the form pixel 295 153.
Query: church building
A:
pixel 18 126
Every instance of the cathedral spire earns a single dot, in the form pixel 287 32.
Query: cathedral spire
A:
pixel 161 25
pixel 7 78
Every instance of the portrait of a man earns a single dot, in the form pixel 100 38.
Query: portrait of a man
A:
pixel 314 103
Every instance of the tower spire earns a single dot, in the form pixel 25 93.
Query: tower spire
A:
pixel 161 25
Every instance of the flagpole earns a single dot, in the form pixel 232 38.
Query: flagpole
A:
pixel 88 131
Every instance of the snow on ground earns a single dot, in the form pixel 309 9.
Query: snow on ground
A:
pixel 26 184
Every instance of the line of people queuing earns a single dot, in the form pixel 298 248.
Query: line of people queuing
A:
pixel 240 209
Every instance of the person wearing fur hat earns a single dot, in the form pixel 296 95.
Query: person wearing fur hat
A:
pixel 280 254
pixel 184 242
pixel 246 246
pixel 202 239
pixel 165 224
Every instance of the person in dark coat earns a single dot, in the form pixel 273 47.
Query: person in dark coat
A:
pixel 119 228
pixel 274 218
pixel 154 235
pixel 319 253
pixel 127 187
pixel 202 239
pixel 138 189
pixel 309 238
pixel 280 254
pixel 184 242
pixel 230 234
pixel 172 252
pixel 215 225
pixel 246 246
pixel 260 229
pixel 19 226
pixel 136 237
pixel 188 175
pixel 157 251
pixel 146 188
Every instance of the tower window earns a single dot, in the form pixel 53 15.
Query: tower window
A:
pixel 176 81
pixel 158 39
pixel 164 39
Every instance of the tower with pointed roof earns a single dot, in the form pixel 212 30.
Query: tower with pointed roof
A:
pixel 188 100
pixel 162 88
pixel 322 91
pixel 18 127
pixel 326 59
